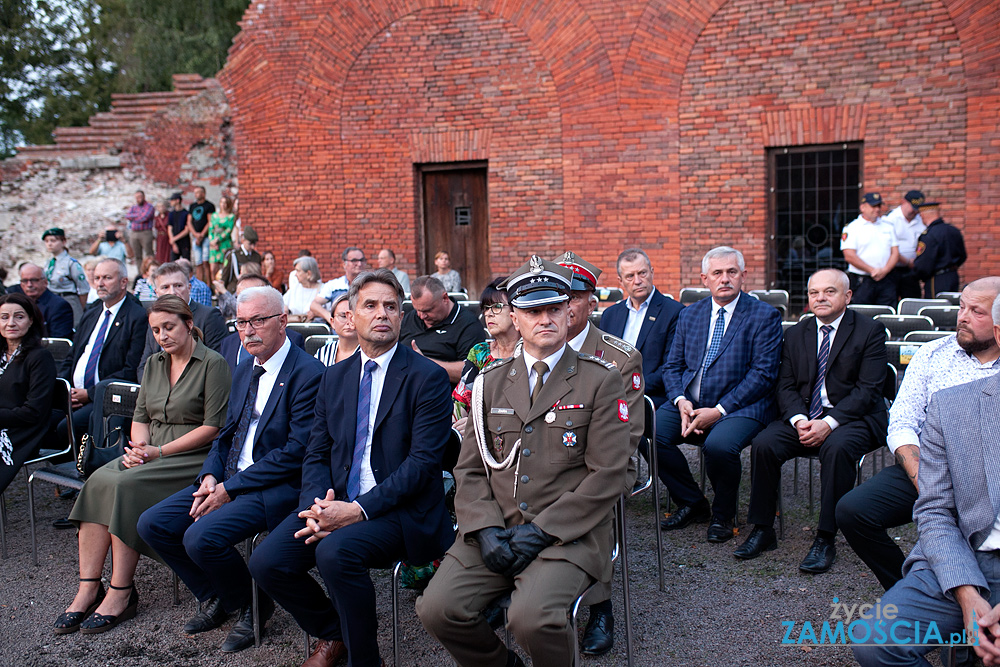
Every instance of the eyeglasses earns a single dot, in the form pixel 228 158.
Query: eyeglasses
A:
pixel 355 261
pixel 256 322
pixel 31 281
pixel 496 308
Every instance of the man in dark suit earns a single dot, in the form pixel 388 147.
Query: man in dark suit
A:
pixel 251 478
pixel 108 344
pixel 371 482
pixel 58 320
pixel 720 376
pixel 830 405
pixel 644 319
pixel 170 278
pixel 231 347
pixel 951 579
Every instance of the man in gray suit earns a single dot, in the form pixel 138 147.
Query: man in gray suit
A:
pixel 952 576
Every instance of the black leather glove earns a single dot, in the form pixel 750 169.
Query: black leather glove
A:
pixel 526 541
pixel 495 549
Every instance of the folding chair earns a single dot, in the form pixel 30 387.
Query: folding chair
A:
pixel 59 348
pixel 945 318
pixel 913 306
pixel 649 436
pixel 900 325
pixel 690 295
pixel 314 343
pixel 310 328
pixel 473 306
pixel 900 352
pixel 950 297
pixel 872 310
pixel 925 336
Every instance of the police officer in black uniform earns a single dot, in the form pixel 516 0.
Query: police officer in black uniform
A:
pixel 940 251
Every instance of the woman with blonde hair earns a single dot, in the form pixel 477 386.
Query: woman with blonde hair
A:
pixel 180 409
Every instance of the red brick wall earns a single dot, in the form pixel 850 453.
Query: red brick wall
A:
pixel 604 124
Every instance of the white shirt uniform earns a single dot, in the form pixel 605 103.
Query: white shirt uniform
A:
pixel 873 241
pixel 907 231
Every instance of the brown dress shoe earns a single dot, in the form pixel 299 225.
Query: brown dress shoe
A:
pixel 327 654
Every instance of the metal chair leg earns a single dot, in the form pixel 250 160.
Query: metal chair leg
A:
pixel 626 591
pixel 31 515
pixel 654 470
pixel 396 572
pixel 3 528
pixel 254 596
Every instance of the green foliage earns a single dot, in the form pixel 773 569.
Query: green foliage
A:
pixel 60 60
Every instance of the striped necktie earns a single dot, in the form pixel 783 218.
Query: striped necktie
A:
pixel 816 402
pixel 243 428
pixel 90 371
pixel 361 434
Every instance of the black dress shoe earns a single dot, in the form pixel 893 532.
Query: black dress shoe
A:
pixel 720 530
pixel 209 617
pixel 684 516
pixel 241 636
pixel 821 556
pixel 599 637
pixel 760 539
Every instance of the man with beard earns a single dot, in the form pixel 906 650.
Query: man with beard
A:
pixel 886 500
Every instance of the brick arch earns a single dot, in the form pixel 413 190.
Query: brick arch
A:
pixel 303 118
pixel 738 85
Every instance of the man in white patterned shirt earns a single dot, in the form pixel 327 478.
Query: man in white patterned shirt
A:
pixel 886 500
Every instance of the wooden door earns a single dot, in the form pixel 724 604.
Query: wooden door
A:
pixel 456 220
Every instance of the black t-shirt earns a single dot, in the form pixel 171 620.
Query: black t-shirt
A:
pixel 177 219
pixel 450 340
pixel 200 213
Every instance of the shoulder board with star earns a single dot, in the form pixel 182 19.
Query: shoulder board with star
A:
pixel 590 357
pixel 496 364
pixel 618 344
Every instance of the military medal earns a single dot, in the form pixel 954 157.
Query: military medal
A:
pixel 550 417
pixel 498 445
pixel 569 439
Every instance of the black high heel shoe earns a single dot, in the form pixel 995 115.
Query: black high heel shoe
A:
pixel 96 623
pixel 69 621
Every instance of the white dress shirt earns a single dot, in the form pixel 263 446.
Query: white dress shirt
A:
pixel 824 397
pixel 937 365
pixel 81 366
pixel 635 318
pixel 264 386
pixel 550 361
pixel 378 380
pixel 729 309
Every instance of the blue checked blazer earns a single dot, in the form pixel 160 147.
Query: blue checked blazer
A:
pixel 744 373
pixel 959 482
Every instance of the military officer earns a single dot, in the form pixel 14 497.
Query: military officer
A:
pixel 65 274
pixel 538 477
pixel 599 636
pixel 940 251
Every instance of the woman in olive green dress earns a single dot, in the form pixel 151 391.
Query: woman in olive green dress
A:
pixel 180 409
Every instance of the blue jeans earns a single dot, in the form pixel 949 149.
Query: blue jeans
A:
pixel 918 597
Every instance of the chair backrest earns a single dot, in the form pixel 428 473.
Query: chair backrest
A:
pixel 595 319
pixel 59 348
pixel 900 325
pixel 458 296
pixel 900 352
pixel 314 343
pixel 913 306
pixel 785 326
pixel 950 297
pixel 307 329
pixel 872 310
pixel 775 297
pixel 890 386
pixel 925 336
pixel 120 399
pixel 690 295
pixel 451 452
pixel 231 326
pixel 944 317
pixel 805 316
pixel 611 294
pixel 473 306
pixel 649 435
pixel 62 400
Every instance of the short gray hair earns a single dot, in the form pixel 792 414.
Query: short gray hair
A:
pixel 310 266
pixel 996 311
pixel 122 269
pixel 630 255
pixel 384 276
pixel 268 293
pixel 427 284
pixel 845 280
pixel 719 253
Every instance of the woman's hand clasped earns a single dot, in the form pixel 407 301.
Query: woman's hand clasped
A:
pixel 137 453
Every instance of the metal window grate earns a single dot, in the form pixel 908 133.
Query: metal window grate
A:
pixel 814 193
pixel 463 215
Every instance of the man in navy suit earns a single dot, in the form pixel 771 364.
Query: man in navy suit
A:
pixel 251 478
pixel 58 320
pixel 830 403
pixel 645 319
pixel 231 348
pixel 107 346
pixel 719 377
pixel 371 482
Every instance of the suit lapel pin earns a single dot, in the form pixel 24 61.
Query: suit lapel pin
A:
pixel 652 319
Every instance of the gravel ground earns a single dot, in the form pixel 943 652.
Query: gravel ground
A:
pixel 714 610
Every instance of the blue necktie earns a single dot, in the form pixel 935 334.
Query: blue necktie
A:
pixel 236 446
pixel 816 403
pixel 361 434
pixel 95 354
pixel 716 344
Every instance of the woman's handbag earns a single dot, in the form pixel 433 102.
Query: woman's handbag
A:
pixel 93 455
